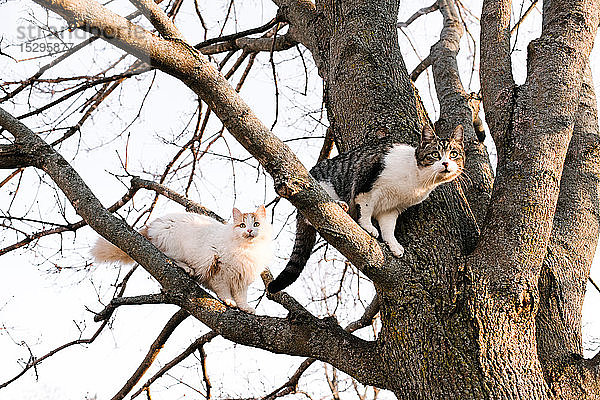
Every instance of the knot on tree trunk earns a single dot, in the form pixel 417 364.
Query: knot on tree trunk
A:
pixel 527 301
pixel 287 188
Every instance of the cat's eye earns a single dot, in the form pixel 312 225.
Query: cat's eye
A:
pixel 242 225
pixel 256 224
pixel 453 154
pixel 435 155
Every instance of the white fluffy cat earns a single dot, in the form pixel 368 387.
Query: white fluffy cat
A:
pixel 241 249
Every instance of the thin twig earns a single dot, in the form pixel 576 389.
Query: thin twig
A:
pixel 234 36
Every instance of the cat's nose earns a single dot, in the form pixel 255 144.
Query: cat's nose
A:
pixel 445 164
pixel 249 230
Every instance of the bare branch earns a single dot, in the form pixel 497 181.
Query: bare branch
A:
pixel 423 65
pixel 196 345
pixel 525 14
pixel 155 348
pixel 11 158
pixel 158 18
pixel 59 59
pixel 282 298
pixel 35 361
pixel 237 35
pixel 420 13
pixel 158 298
pixel 189 205
pixel 496 67
pixel 252 45
pixel 367 318
pixel 67 228
pixel 291 385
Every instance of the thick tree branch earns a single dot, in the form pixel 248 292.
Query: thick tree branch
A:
pixel 252 45
pixel 11 158
pixel 532 140
pixel 238 35
pixel 300 334
pixel 291 385
pixel 495 67
pixel 529 171
pixel 573 242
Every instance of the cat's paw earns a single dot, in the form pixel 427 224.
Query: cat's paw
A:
pixel 371 230
pixel 249 309
pixel 230 302
pixel 396 249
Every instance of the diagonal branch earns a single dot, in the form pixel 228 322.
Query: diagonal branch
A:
pixel 163 24
pixel 419 13
pixel 195 345
pixel 189 205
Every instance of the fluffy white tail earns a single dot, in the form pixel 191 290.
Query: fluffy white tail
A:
pixel 105 252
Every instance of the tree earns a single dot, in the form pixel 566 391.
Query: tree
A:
pixel 486 302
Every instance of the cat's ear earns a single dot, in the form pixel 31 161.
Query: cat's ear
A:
pixel 237 215
pixel 458 133
pixel 427 134
pixel 261 212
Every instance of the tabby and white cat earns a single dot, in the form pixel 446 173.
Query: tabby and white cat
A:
pixel 226 258
pixel 378 182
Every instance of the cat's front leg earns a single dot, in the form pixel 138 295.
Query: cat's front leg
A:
pixel 365 209
pixel 387 224
pixel 241 297
pixel 221 289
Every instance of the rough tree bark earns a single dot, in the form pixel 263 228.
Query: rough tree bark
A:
pixel 464 315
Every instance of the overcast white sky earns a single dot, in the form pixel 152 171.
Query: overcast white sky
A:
pixel 43 307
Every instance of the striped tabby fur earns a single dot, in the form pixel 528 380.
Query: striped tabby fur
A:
pixel 379 182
